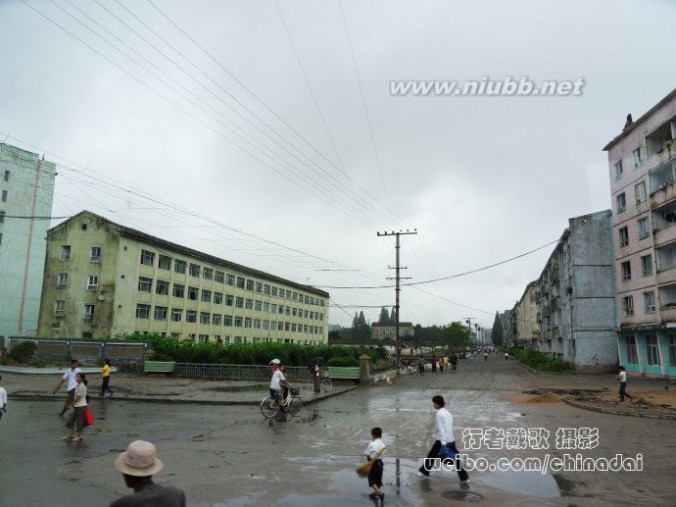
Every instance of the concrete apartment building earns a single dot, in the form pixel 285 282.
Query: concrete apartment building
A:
pixel 525 317
pixel 576 296
pixel 26 191
pixel 642 164
pixel 102 279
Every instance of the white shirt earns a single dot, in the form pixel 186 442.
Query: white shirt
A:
pixel 444 426
pixel 70 377
pixel 374 447
pixel 3 397
pixel 81 391
pixel 277 377
pixel 623 376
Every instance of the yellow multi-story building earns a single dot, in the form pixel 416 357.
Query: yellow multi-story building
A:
pixel 526 314
pixel 104 280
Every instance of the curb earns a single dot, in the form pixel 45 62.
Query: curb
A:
pixel 604 410
pixel 43 397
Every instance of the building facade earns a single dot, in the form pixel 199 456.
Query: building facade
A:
pixel 525 314
pixel 642 165
pixel 26 195
pixel 105 280
pixel 576 296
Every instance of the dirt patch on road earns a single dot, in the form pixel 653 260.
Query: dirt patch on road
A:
pixel 535 398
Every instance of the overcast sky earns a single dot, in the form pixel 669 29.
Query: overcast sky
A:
pixel 296 179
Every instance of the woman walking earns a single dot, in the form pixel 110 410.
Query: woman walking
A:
pixel 79 406
pixel 105 375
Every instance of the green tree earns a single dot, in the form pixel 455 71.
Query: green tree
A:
pixel 384 318
pixel 497 335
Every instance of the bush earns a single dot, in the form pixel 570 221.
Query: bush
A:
pixel 342 361
pixel 23 353
pixel 538 360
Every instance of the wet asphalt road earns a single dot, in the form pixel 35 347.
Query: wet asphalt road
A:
pixel 230 456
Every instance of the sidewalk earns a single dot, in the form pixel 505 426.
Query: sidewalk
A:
pixel 599 393
pixel 161 389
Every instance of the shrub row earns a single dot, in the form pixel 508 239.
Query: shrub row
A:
pixel 538 360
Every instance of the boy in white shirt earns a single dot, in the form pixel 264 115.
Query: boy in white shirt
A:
pixel 3 400
pixel 375 477
pixel 622 377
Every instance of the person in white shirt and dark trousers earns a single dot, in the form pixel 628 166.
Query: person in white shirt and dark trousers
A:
pixel 375 477
pixel 3 400
pixel 444 437
pixel 622 377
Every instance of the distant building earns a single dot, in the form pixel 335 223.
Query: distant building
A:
pixel 26 194
pixel 525 317
pixel 382 331
pixel 576 296
pixel 507 322
pixel 642 164
pixel 103 279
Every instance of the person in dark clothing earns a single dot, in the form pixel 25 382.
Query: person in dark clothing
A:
pixel 138 464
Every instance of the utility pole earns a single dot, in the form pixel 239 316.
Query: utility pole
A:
pixel 469 325
pixel 397 278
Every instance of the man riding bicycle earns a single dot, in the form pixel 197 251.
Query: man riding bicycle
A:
pixel 277 382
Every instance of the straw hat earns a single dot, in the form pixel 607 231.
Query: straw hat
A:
pixel 139 460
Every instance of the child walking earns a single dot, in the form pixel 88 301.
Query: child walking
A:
pixel 374 451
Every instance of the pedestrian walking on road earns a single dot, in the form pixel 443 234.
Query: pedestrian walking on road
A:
pixel 69 378
pixel 105 376
pixel 374 451
pixel 421 365
pixel 3 400
pixel 138 464
pixel 622 377
pixel 444 438
pixel 506 356
pixel 79 406
pixel 316 375
pixel 434 364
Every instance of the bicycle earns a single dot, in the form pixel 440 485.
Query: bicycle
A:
pixel 293 404
pixel 325 384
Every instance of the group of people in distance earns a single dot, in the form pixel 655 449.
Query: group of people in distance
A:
pixel 438 363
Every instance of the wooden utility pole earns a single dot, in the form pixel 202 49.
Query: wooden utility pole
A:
pixel 397 278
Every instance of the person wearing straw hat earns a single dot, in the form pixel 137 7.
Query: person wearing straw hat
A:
pixel 138 464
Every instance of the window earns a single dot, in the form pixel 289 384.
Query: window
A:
pixel 647 265
pixel 651 350
pixel 257 323
pixel 83 227
pixel 288 294
pixel 160 313
pixel 95 254
pixel 672 351
pixel 59 306
pixel 191 316
pixel 274 291
pixel 229 299
pixel 249 304
pixel 266 307
pixel 164 262
pixel 227 320
pixel 628 305
pixel 280 326
pixel 640 192
pixel 621 200
pixel 176 315
pixel 281 309
pixel 239 302
pixel 218 298
pixel 162 288
pixel 266 289
pixel 294 312
pixel 259 287
pixel 89 312
pixel 2 217
pixel 295 296
pixel 206 296
pixel 205 318
pixel 6 175
pixel 249 284
pixel 216 319
pixel 145 284
pixel 643 230
pixel 192 293
pixel 649 302
pixel 247 322
pixel 638 159
pixel 142 311
pixel 238 321
pixel 4 196
pixel 92 282
pixel 147 258
pixel 626 271
pixel 179 290
pixel 61 280
pixel 208 273
pixel 288 310
pixel 203 338
pixel 179 266
pixel 219 277
pixel 194 270
pixel 65 252
pixel 258 305
pixel 240 282
pixel 273 308
pixel 624 237
pixel 230 280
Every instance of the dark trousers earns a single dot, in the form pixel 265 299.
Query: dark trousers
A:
pixel 623 391
pixel 376 474
pixel 105 387
pixel 317 380
pixel 434 454
pixel 69 400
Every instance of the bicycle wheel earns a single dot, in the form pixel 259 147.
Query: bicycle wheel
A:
pixel 296 407
pixel 268 408
pixel 326 384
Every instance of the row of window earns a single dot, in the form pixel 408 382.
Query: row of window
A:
pixel 640 193
pixel 226 339
pixel 648 304
pixel 94 253
pixel 643 232
pixel 646 267
pixel 652 350
pixel 637 158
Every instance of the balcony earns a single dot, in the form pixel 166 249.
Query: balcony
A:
pixel 668 313
pixel 662 195
pixel 666 277
pixel 665 236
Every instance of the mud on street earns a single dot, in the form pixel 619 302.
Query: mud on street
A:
pixel 230 456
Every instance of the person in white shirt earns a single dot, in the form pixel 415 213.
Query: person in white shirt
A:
pixel 622 377
pixel 3 400
pixel 444 438
pixel 277 382
pixel 79 406
pixel 375 476
pixel 69 378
